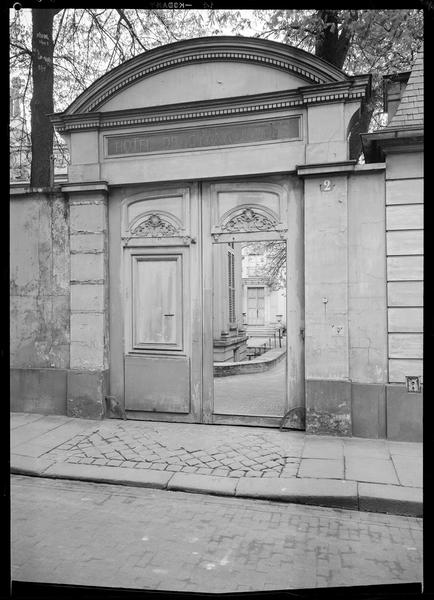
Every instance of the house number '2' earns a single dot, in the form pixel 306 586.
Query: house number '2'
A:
pixel 326 185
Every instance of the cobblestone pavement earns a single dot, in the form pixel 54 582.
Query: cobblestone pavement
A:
pixel 229 451
pixel 96 534
pixel 220 450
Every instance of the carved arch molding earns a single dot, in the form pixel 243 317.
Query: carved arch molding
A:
pixel 158 215
pixel 236 208
pixel 249 217
pixel 153 224
pixel 248 208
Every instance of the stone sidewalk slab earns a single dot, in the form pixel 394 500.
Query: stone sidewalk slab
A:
pixel 20 419
pixel 35 428
pixel 327 468
pixel 406 448
pixel 370 470
pixel 409 470
pixel 375 497
pixel 323 448
pixel 43 443
pixel 366 449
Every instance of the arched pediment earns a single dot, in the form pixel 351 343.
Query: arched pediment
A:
pixel 156 224
pixel 204 69
pixel 249 217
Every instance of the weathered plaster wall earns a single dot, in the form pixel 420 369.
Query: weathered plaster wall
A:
pixel 328 395
pixel 346 309
pixel 39 302
pixel 367 278
pixel 326 269
pixel 39 280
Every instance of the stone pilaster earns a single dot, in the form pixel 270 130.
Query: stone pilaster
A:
pixel 87 378
pixel 328 389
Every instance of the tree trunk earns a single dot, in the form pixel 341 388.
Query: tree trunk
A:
pixel 333 45
pixel 42 99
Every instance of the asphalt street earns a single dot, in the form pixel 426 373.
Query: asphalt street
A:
pixel 81 533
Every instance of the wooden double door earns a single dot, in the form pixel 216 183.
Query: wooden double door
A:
pixel 161 267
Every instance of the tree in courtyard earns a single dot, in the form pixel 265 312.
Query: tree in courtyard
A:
pixel 272 264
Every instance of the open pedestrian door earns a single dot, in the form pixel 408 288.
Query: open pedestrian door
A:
pixel 253 356
pixel 162 295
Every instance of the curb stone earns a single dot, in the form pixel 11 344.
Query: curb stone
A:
pixel 321 492
pixel 377 497
pixel 331 493
pixel 28 465
pixel 203 484
pixel 120 476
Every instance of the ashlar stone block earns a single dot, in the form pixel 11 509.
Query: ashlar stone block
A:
pixel 87 297
pixel 87 242
pixel 88 267
pixel 88 217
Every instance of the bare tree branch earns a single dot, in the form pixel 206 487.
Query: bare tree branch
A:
pixel 133 34
pixel 106 33
pixel 163 22
pixel 59 27
pixel 22 48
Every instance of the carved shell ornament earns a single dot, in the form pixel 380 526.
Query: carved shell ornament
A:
pixel 155 226
pixel 249 220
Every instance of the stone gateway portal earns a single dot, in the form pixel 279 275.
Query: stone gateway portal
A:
pixel 230 262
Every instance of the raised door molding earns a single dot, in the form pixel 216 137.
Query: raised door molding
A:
pixel 157 217
pixel 248 207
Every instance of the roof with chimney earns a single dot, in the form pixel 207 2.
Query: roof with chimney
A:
pixel 410 109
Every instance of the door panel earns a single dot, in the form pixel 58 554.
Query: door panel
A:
pixel 156 384
pixel 157 362
pixel 157 302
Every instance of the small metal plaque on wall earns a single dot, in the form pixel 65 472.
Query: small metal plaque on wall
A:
pixel 413 383
pixel 327 185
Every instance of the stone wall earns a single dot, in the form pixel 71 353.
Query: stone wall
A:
pixel 39 301
pixel 345 310
pixel 404 233
pixel 404 226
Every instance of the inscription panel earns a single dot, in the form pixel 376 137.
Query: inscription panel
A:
pixel 221 135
